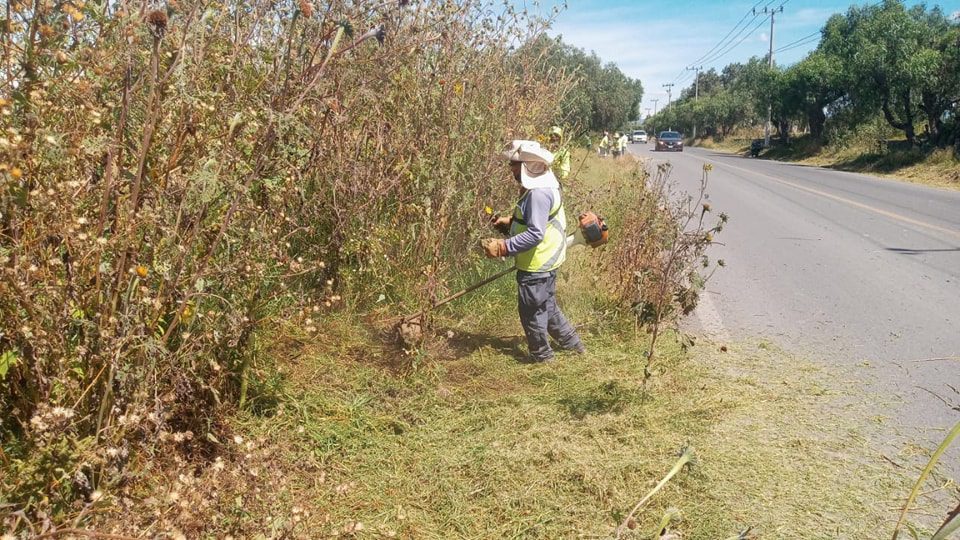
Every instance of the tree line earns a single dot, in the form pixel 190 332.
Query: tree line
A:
pixel 884 61
pixel 601 98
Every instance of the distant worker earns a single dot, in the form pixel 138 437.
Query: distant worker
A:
pixel 561 154
pixel 616 144
pixel 604 144
pixel 538 242
pixel 622 144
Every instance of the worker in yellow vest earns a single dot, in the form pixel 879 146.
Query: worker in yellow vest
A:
pixel 561 154
pixel 604 147
pixel 622 144
pixel 538 242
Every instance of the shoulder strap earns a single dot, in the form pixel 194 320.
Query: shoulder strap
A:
pixel 552 215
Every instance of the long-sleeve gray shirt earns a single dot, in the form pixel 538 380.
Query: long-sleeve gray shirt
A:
pixel 535 209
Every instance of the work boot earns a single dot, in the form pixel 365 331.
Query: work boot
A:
pixel 530 359
pixel 580 348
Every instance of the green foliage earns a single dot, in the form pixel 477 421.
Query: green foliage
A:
pixel 8 359
pixel 603 98
pixel 875 61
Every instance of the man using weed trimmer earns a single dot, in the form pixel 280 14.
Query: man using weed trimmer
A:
pixel 538 242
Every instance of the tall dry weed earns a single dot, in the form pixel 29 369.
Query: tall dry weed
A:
pixel 176 177
pixel 660 259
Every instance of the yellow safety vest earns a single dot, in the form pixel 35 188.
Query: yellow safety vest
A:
pixel 561 163
pixel 550 253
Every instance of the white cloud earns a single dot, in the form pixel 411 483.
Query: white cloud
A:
pixel 763 37
pixel 956 15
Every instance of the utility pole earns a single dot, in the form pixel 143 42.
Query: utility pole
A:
pixel 655 110
pixel 648 112
pixel 669 87
pixel 766 129
pixel 696 92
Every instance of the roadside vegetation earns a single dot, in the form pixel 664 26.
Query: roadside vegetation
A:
pixel 183 188
pixel 463 440
pixel 880 93
pixel 210 215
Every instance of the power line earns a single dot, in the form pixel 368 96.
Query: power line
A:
pixel 797 43
pixel 723 41
pixel 731 46
pixel 727 50
pixel 724 38
pixel 808 42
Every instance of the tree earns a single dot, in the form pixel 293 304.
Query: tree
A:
pixel 602 96
pixel 710 83
pixel 810 86
pixel 895 60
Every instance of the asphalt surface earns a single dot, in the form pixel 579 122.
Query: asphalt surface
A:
pixel 838 267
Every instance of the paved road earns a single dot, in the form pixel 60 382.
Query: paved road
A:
pixel 841 267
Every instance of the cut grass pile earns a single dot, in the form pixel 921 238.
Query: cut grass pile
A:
pixel 482 446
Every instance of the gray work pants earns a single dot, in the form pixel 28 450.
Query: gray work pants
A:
pixel 540 316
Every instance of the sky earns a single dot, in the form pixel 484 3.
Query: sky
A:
pixel 655 40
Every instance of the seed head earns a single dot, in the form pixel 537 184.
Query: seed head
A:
pixel 157 19
pixel 306 8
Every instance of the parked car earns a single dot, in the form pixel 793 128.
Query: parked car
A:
pixel 639 136
pixel 670 140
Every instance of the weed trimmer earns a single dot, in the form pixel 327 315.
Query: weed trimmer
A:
pixel 591 231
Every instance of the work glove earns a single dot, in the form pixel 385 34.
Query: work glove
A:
pixel 494 247
pixel 502 224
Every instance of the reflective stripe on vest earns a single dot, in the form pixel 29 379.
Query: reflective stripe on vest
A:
pixel 550 253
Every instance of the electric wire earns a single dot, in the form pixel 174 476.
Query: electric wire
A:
pixel 724 38
pixel 797 43
pixel 723 41
pixel 721 53
pixel 727 50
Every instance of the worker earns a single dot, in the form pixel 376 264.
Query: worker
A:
pixel 604 145
pixel 622 144
pixel 561 154
pixel 616 144
pixel 538 242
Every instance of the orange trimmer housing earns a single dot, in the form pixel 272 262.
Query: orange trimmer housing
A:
pixel 593 229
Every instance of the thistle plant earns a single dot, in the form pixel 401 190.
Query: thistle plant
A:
pixel 660 258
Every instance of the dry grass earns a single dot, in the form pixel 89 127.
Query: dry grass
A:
pixel 938 168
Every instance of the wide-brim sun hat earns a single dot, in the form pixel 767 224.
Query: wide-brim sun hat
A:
pixel 535 169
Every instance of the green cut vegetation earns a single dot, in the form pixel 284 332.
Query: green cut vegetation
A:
pixel 479 445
